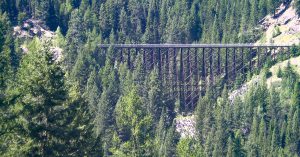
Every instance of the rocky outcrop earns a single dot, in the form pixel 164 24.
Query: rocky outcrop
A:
pixel 35 28
pixel 186 126
pixel 286 21
pixel 243 89
pixel 32 28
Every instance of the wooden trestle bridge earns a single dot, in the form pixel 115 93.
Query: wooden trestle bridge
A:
pixel 187 69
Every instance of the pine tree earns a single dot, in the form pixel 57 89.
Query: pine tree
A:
pixel 134 124
pixel 238 150
pixel 49 117
pixel 229 147
pixel 188 147
pixel 107 103
pixel 75 39
pixel 6 45
pixel 297 5
pixel 208 147
pixel 92 91
pixel 296 95
pixel 262 137
pixel 155 94
pixel 295 132
pixel 252 146
pixel 275 141
pixel 171 140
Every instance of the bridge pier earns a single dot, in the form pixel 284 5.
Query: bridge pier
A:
pixel 187 70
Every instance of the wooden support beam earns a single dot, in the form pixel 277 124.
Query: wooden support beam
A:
pixel 242 61
pixel 175 76
pixel 196 70
pixel 128 59
pixel 136 51
pixel 159 58
pixel 121 56
pixel 234 63
pixel 182 73
pixel 250 59
pixel 258 58
pixel 151 59
pixel 226 64
pixel 182 98
pixel 219 61
pixel 211 74
pixel 166 71
pixel 188 80
pixel 144 57
pixel 203 65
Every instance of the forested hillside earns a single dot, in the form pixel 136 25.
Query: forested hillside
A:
pixel 81 102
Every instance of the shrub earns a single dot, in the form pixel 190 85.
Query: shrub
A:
pixel 279 73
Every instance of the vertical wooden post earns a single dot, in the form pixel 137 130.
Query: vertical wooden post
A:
pixel 166 72
pixel 211 66
pixel 197 77
pixel 144 57
pixel 181 89
pixel 188 84
pixel 234 63
pixel 273 55
pixel 128 58
pixel 203 64
pixel 219 61
pixel 258 58
pixel 226 65
pixel 242 58
pixel 136 51
pixel 159 58
pixel 152 58
pixel 196 66
pixel 203 76
pixel 175 77
pixel 266 55
pixel 121 57
pixel 250 59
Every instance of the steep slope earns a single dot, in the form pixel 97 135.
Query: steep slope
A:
pixel 283 27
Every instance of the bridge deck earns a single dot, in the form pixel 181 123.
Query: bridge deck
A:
pixel 194 45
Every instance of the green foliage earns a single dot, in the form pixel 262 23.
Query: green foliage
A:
pixel 134 124
pixel 279 73
pixel 297 5
pixel 48 117
pixel 189 147
pixel 276 32
pixel 295 50
pixel 92 105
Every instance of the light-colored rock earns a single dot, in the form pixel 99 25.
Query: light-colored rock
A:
pixel 186 126
pixel 32 28
pixel 287 21
pixel 35 28
pixel 57 53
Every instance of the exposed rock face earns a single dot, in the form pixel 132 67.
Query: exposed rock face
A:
pixel 33 28
pixel 186 126
pixel 243 89
pixel 286 21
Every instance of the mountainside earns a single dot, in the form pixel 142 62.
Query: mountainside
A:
pixel 283 27
pixel 61 95
pixel 288 22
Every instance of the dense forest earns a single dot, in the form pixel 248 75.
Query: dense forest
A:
pixel 87 105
